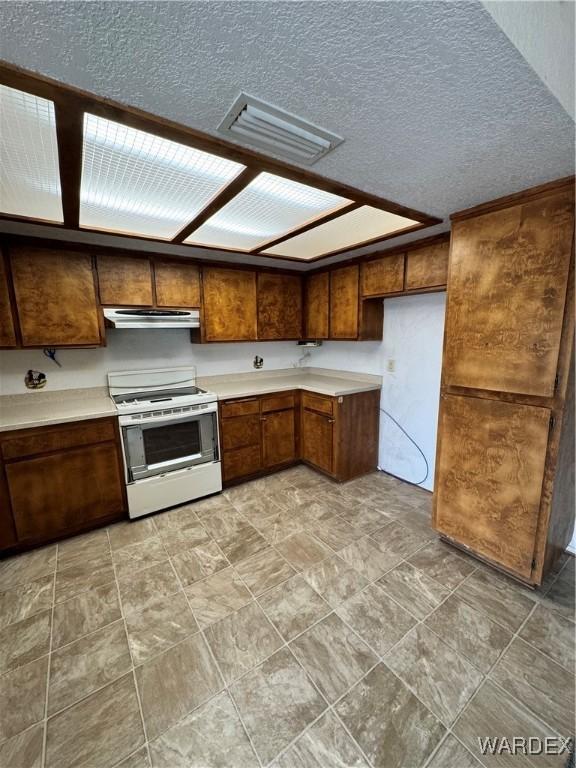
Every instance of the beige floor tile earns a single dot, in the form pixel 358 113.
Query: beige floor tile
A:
pixel 442 679
pixel 335 533
pixel 276 702
pixel 242 640
pixel 79 578
pixel 539 683
pixel 325 745
pixel 98 731
pixel 243 543
pixel 439 561
pixel 497 597
pixel 138 759
pixel 369 558
pixel 293 607
pixel 172 684
pixel 22 697
pixel 290 498
pixel 29 566
pixel 212 503
pixel 136 557
pixel 302 550
pixel 179 538
pixel 160 626
pixel 131 532
pixel 415 591
pixel 560 596
pixel 469 632
pixel 257 510
pixel 81 548
pixel 452 754
pixel 85 613
pixel 194 564
pixel 335 580
pixel 222 522
pixel 24 750
pixel 334 657
pixel 493 713
pixel 217 596
pixel 376 618
pixel 552 634
pixel 25 641
pixel 394 729
pixel 25 600
pixel 212 735
pixel 140 590
pixel 280 526
pixel 78 669
pixel 265 570
pixel 365 518
pixel 400 540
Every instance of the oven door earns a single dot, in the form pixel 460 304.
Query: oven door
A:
pixel 168 443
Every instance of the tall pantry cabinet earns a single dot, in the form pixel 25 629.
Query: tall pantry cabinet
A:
pixel 505 462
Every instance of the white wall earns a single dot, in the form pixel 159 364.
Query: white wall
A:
pixel 131 349
pixel 413 332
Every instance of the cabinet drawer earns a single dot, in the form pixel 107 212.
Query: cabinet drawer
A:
pixel 239 407
pixel 317 403
pixel 34 442
pixel 240 432
pixel 277 402
pixel 241 463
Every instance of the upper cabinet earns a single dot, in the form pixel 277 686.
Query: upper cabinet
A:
pixel 317 306
pixel 279 306
pixel 229 304
pixel 508 280
pixel 383 275
pixel 125 281
pixel 177 284
pixel 427 267
pixel 56 298
pixel 344 302
pixel 7 329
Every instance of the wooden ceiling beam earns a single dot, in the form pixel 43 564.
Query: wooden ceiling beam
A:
pixel 69 135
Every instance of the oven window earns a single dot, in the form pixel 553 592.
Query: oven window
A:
pixel 171 442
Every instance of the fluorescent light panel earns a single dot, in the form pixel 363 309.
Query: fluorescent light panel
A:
pixel 346 231
pixel 29 173
pixel 140 184
pixel 269 207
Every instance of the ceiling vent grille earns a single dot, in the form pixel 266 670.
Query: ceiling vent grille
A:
pixel 271 129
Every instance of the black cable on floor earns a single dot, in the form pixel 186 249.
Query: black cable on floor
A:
pixel 414 443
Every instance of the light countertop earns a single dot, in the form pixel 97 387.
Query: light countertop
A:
pixel 39 409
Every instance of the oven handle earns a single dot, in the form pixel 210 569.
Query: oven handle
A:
pixel 127 421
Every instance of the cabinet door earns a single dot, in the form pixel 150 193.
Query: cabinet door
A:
pixel 344 303
pixel 7 330
pixel 489 476
pixel 55 298
pixel 427 267
pixel 67 491
pixel 317 316
pixel 279 306
pixel 240 432
pixel 317 440
pixel 508 278
pixel 229 304
pixel 241 463
pixel 124 281
pixel 382 276
pixel 278 438
pixel 177 284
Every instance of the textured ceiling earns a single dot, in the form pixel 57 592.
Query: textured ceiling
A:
pixel 439 110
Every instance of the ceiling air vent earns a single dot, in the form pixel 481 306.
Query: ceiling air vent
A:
pixel 273 130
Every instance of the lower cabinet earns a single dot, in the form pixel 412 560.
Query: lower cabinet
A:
pixel 278 438
pixel 318 440
pixel 60 480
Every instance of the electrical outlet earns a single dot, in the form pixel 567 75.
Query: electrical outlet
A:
pixel 391 365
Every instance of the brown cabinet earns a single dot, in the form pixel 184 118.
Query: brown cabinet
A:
pixel 278 438
pixel 317 306
pixel 7 329
pixel 279 306
pixel 125 281
pixel 61 480
pixel 318 440
pixel 383 276
pixel 344 302
pixel 229 311
pixel 55 298
pixel 177 284
pixel 427 267
pixel 507 398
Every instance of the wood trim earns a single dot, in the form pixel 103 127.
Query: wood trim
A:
pixel 230 191
pixel 518 197
pixel 69 130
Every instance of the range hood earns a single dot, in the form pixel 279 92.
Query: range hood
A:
pixel 120 317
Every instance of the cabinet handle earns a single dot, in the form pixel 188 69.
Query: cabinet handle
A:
pixel 331 421
pixel 263 418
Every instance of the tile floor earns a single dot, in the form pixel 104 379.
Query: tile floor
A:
pixel 289 622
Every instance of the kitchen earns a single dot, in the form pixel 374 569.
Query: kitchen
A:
pixel 286 467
